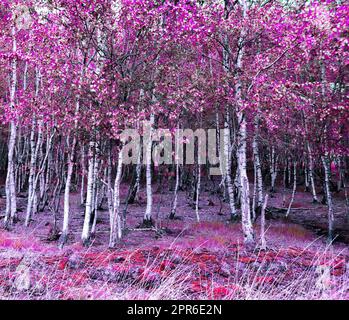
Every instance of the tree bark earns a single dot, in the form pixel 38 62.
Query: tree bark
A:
pixel 115 220
pixel 11 201
pixel 257 163
pixel 263 240
pixel 85 236
pixel 71 156
pixel 242 161
pixel 34 154
pixel 83 174
pixel 326 164
pixel 294 188
pixel 148 211
pixel 311 173
pixel 227 169
pixel 175 199
pixel 273 169
pixel 197 193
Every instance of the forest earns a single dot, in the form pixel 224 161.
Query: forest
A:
pixel 174 149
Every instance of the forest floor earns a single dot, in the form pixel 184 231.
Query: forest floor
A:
pixel 184 259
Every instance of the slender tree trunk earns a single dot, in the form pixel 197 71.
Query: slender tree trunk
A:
pixel 339 174
pixel 34 197
pixel 242 161
pixel 294 188
pixel 148 211
pixel 257 163
pixel 32 186
pixel 326 165
pixel 109 183
pixel 11 201
pixel 175 199
pixel 115 220
pixel 11 184
pixel 66 213
pixel 311 173
pixel 197 193
pixel 227 169
pixel 273 168
pixel 83 174
pixel 263 240
pixel 326 162
pixel 306 177
pixel 95 190
pixel 254 193
pixel 345 187
pixel 42 175
pixel 46 181
pixel 71 156
pixel 135 188
pixel 31 172
pixel 245 198
pixel 284 185
pixel 222 169
pixel 139 159
pixel 85 236
pixel 138 175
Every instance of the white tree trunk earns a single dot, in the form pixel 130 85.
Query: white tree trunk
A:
pixel 227 169
pixel 273 168
pixel 139 156
pixel 222 169
pixel 95 190
pixel 109 184
pixel 175 200
pixel 245 189
pixel 311 173
pixel 32 186
pixel 11 201
pixel 148 211
pixel 34 148
pixel 66 210
pixel 11 184
pixel 326 164
pixel 34 196
pixel 284 187
pixel 294 188
pixel 31 172
pixel 242 161
pixel 71 155
pixel 83 174
pixel 306 177
pixel 138 174
pixel 115 219
pixel 258 169
pixel 254 193
pixel 85 236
